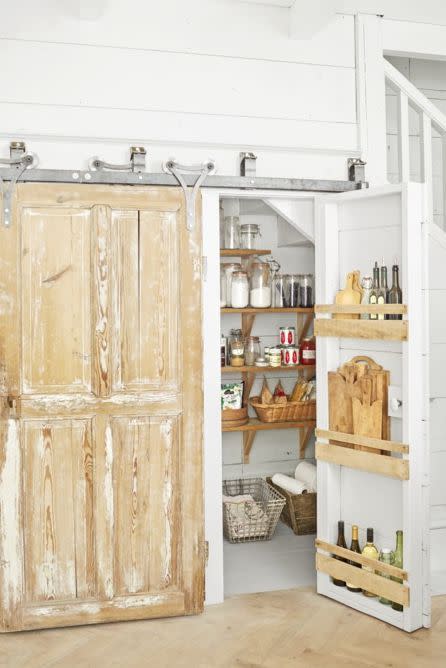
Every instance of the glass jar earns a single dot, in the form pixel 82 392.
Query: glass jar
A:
pixel 279 286
pixel 260 285
pixel 292 282
pixel 308 352
pixel 223 284
pixel 249 235
pixel 233 335
pixel 232 232
pixel 306 291
pixel 229 268
pixel 275 357
pixel 239 289
pixel 252 350
pixel 237 352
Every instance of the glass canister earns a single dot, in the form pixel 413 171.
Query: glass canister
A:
pixel 249 236
pixel 308 352
pixel 292 282
pixel 306 291
pixel 229 268
pixel 223 284
pixel 252 350
pixel 279 287
pixel 260 285
pixel 237 352
pixel 232 232
pixel 239 289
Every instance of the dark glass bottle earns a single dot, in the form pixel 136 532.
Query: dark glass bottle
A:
pixel 395 293
pixel 383 290
pixel 340 543
pixel 375 290
pixel 354 547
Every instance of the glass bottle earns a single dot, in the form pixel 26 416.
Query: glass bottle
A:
pixel 398 562
pixel 375 290
pixel 239 290
pixel 386 556
pixel 383 290
pixel 249 236
pixel 370 551
pixel 395 295
pixel 366 283
pixel 306 291
pixel 223 286
pixel 340 543
pixel 260 285
pixel 252 350
pixel 232 232
pixel 279 288
pixel 354 547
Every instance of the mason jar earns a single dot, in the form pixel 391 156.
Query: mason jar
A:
pixel 239 290
pixel 260 285
pixel 232 232
pixel 306 291
pixel 249 236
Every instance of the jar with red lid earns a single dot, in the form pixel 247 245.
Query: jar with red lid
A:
pixel 308 352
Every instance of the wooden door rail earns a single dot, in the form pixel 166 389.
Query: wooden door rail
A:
pixel 376 581
pixel 386 330
pixel 344 454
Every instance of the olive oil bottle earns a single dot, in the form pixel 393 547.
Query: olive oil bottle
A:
pixel 371 552
pixel 354 547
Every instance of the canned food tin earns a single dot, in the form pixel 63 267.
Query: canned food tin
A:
pixel 275 357
pixel 287 336
pixel 290 356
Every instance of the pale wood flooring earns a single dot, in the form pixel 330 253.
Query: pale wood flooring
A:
pixel 281 629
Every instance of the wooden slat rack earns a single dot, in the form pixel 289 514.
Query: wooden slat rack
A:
pixel 376 581
pixel 355 328
pixel 348 450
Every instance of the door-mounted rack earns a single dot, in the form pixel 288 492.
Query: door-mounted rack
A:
pixel 356 328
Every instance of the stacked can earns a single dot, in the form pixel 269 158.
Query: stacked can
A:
pixel 290 352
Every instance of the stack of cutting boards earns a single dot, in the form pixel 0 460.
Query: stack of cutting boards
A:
pixel 358 400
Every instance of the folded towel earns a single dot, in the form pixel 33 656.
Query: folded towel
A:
pixel 246 518
pixel 307 473
pixel 290 484
pixel 241 498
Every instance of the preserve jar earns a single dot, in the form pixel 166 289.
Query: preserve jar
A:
pixel 291 290
pixel 279 285
pixel 237 352
pixel 252 350
pixel 229 268
pixel 249 236
pixel 223 284
pixel 275 357
pixel 232 232
pixel 239 289
pixel 306 291
pixel 308 352
pixel 260 285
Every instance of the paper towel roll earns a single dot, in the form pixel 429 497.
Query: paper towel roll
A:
pixel 290 484
pixel 307 474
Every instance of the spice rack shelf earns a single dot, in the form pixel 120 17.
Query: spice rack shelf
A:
pixel 363 453
pixel 375 581
pixel 242 252
pixel 254 425
pixel 386 330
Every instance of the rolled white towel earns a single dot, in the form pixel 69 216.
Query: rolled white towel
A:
pixel 307 474
pixel 290 484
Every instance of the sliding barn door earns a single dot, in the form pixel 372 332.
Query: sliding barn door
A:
pixel 101 407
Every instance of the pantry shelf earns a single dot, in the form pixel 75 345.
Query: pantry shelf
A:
pixel 254 311
pixel 355 328
pixel 262 369
pixel 363 453
pixel 376 580
pixel 242 252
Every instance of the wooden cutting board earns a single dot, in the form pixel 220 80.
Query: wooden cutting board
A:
pixel 367 414
pixel 348 296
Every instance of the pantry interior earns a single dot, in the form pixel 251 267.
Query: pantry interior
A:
pixel 330 236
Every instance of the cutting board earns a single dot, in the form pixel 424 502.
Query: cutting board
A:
pixel 367 414
pixel 349 296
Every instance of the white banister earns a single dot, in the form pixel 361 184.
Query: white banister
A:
pixel 403 136
pixel 426 164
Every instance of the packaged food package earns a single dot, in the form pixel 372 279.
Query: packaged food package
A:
pixel 299 390
pixel 231 395
pixel 266 396
pixel 279 394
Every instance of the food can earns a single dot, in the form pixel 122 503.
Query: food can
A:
pixel 274 356
pixel 287 336
pixel 290 356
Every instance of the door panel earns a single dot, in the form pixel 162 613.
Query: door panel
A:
pixel 101 433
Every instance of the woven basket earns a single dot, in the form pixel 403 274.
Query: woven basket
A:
pixel 289 412
pixel 248 522
pixel 299 512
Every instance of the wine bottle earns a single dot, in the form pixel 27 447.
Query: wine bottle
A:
pixel 373 299
pixel 386 556
pixel 383 289
pixel 341 543
pixel 395 293
pixel 398 562
pixel 354 547
pixel 371 552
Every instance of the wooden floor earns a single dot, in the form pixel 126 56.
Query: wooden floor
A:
pixel 273 630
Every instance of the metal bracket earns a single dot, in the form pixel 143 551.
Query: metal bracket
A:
pixel 174 168
pixel 137 162
pixel 356 172
pixel 19 160
pixel 247 164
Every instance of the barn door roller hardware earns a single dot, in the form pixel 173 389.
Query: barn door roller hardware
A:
pixel 356 172
pixel 174 168
pixel 248 164
pixel 19 160
pixel 137 162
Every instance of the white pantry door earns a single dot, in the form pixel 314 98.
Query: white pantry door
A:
pixel 101 511
pixel 352 231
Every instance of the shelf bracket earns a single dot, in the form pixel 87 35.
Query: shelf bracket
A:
pixel 247 323
pixel 248 440
pixel 305 326
pixel 304 439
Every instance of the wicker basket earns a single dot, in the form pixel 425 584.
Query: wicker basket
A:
pixel 289 412
pixel 251 521
pixel 234 417
pixel 300 510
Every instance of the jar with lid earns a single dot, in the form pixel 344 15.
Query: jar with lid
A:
pixel 229 268
pixel 306 291
pixel 260 285
pixel 308 352
pixel 252 350
pixel 223 284
pixel 232 232
pixel 249 235
pixel 279 287
pixel 233 335
pixel 237 352
pixel 292 282
pixel 239 289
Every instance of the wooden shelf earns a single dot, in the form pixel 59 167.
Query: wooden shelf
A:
pixel 376 581
pixel 355 328
pixel 363 453
pixel 242 252
pixel 254 311
pixel 261 369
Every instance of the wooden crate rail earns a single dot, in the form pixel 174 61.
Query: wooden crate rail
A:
pixel 341 453
pixel 360 309
pixel 385 330
pixel 376 581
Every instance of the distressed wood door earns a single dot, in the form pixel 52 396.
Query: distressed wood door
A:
pixel 101 489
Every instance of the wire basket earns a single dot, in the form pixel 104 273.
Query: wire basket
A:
pixel 247 521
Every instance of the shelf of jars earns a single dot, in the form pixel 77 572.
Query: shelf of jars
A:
pixel 346 321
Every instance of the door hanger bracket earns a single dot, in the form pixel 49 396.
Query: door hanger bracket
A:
pixel 137 162
pixel 190 194
pixel 19 161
